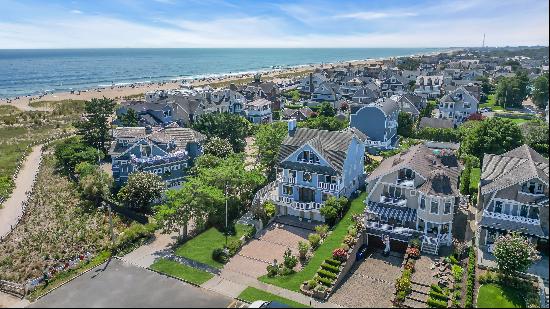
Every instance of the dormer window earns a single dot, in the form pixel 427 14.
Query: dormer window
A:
pixel 308 156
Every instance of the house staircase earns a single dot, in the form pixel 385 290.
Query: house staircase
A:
pixel 430 245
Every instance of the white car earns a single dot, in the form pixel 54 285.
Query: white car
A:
pixel 267 304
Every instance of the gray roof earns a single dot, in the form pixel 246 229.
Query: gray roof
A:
pixel 332 145
pixel 128 132
pixel 439 168
pixel 513 167
pixel 428 122
pixel 508 225
pixel 386 105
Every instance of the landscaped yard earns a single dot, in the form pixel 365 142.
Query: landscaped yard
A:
pixel 496 296
pixel 181 271
pixel 333 241
pixel 475 175
pixel 251 294
pixel 491 102
pixel 200 248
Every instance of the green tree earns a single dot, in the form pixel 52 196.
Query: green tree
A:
pixel 231 127
pixel 409 64
pixel 333 209
pixel 96 186
pixel 84 169
pixel 324 123
pixel 268 140
pixel 195 201
pixel 491 135
pixel 129 119
pixel 73 151
pixel 540 91
pixel 327 110
pixel 438 134
pixel 536 135
pixel 512 91
pixel 465 179
pixel 514 253
pixel 141 189
pixel 428 110
pixel 486 86
pixel 95 126
pixel 218 147
pixel 405 125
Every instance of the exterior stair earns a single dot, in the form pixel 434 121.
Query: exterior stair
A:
pixel 430 245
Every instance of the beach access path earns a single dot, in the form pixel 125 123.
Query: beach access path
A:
pixel 12 209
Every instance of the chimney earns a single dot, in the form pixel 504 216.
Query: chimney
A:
pixel 291 126
pixel 311 83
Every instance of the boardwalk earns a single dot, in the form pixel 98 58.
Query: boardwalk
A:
pixel 12 208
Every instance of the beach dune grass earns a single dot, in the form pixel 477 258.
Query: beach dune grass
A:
pixel 333 241
pixel 251 294
pixel 497 296
pixel 181 271
pixel 200 248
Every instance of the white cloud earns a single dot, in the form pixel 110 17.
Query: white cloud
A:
pixel 368 15
pixel 76 11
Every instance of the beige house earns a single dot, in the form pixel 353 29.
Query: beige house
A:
pixel 414 194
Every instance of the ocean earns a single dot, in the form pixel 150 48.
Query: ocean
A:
pixel 29 72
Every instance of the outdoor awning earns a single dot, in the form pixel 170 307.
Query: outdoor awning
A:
pixel 405 214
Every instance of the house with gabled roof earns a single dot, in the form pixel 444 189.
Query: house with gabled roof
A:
pixel 326 91
pixel 365 95
pixel 394 84
pixel 378 121
pixel 411 104
pixel 414 194
pixel 314 165
pixel 457 106
pixel 513 197
pixel 167 152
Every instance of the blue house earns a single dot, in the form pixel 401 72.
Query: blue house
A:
pixel 378 121
pixel 314 165
pixel 166 152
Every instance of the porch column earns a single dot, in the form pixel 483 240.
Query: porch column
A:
pixel 438 229
pixel 417 223
pixel 449 234
pixel 425 227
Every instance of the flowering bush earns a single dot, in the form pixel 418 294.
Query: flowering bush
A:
pixel 413 252
pixel 409 266
pixel 349 240
pixel 514 253
pixel 340 254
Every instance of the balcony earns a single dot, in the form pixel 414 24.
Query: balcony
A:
pixel 305 206
pixel 328 186
pixel 285 179
pixel 406 182
pixel 397 233
pixel 397 201
pixel 510 217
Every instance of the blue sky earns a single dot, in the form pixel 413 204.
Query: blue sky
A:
pixel 282 23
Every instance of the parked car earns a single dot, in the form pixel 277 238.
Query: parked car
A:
pixel 267 304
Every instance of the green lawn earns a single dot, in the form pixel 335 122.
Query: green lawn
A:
pixel 333 241
pixel 496 296
pixel 200 248
pixel 181 271
pixel 475 175
pixel 251 294
pixel 491 102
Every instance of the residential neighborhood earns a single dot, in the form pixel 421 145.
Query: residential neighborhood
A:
pixel 403 182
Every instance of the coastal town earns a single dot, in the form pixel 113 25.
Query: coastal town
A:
pixel 406 182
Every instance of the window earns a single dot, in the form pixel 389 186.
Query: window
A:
pixel 288 190
pixel 434 209
pixel 539 189
pixel 534 213
pixel 292 174
pixel 307 176
pixel 523 211
pixel 498 207
pixel 422 203
pixel 447 209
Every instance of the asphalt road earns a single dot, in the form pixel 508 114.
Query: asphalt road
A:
pixel 119 284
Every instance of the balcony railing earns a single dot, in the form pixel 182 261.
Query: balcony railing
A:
pixel 328 186
pixel 306 206
pixel 406 182
pixel 399 233
pixel 402 202
pixel 511 218
pixel 287 179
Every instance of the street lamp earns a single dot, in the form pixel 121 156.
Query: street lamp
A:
pixel 226 230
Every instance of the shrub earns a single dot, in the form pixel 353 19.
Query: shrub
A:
pixel 135 232
pixel 326 274
pixel 220 256
pixel 290 260
pixel 403 283
pixel 312 284
pixel 322 230
pixel 352 231
pixel 349 240
pixel 270 209
pixel 415 243
pixel 303 248
pixel 325 281
pixel 437 288
pixel 314 240
pixel 344 246
pixel 453 260
pixel 438 295
pixel 340 254
pixel 272 270
pixel 488 277
pixel 436 303
pixel 330 268
pixel 285 271
pixel 409 265
pixel 250 232
pixel 333 262
pixel 233 246
pixel 457 272
pixel 413 252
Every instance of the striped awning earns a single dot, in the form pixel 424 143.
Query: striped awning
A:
pixel 405 214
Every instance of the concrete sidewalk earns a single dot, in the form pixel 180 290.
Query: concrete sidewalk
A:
pixel 12 209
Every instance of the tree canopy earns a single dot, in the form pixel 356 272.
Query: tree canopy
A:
pixel 231 127
pixel 327 110
pixel 141 189
pixel 514 253
pixel 129 119
pixel 95 125
pixel 405 125
pixel 491 135
pixel 268 140
pixel 324 123
pixel 218 147
pixel 511 91
pixel 72 151
pixel 540 91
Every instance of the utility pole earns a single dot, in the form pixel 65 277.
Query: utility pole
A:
pixel 226 230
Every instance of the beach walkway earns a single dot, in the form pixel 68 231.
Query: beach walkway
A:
pixel 12 209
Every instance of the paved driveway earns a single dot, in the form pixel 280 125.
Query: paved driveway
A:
pixel 370 283
pixel 254 257
pixel 119 284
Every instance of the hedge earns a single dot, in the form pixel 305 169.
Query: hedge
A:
pixel 331 268
pixel 470 281
pixel 325 281
pixel 437 295
pixel 333 262
pixel 436 303
pixel 326 274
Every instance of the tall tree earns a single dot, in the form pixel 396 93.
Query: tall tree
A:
pixel 130 119
pixel 218 147
pixel 268 140
pixel 512 91
pixel 95 126
pixel 96 186
pixel 514 253
pixel 491 135
pixel 231 127
pixel 540 91
pixel 72 151
pixel 141 190
pixel 327 110
pixel 405 124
